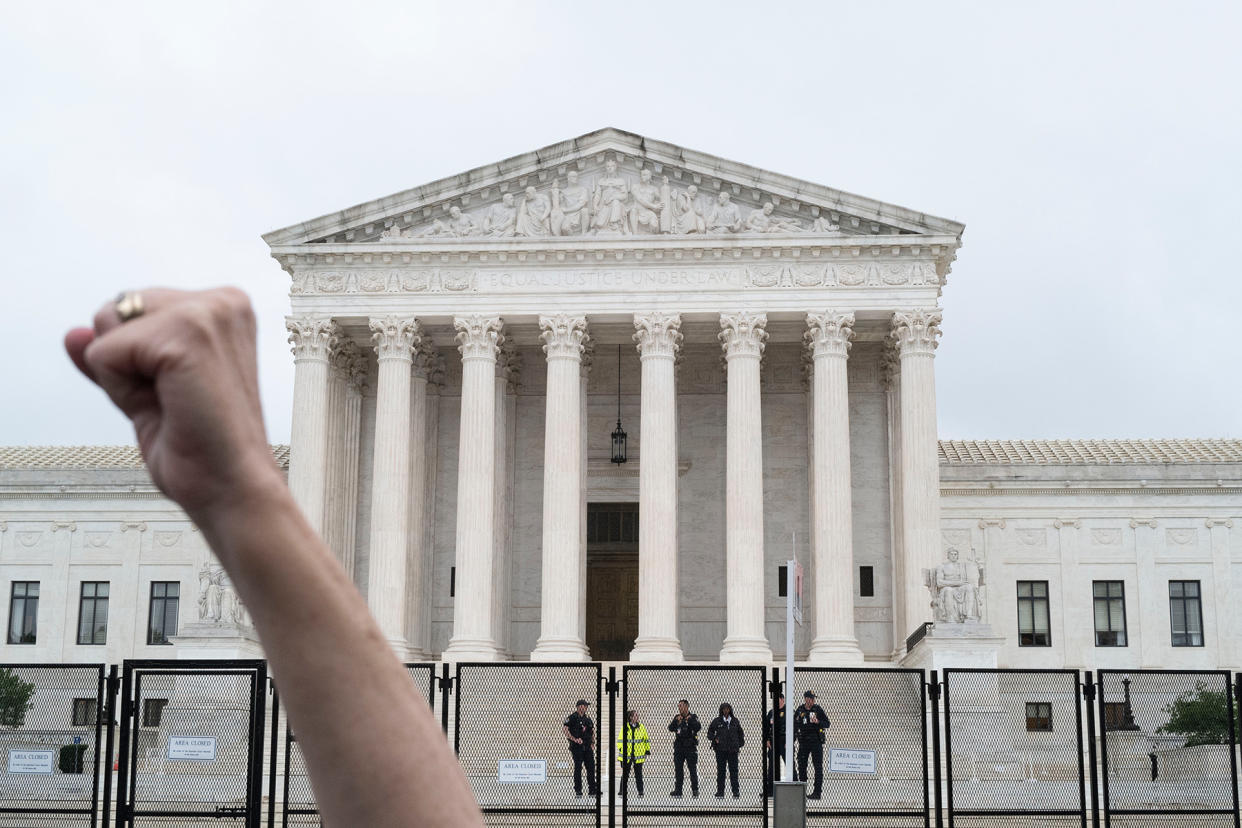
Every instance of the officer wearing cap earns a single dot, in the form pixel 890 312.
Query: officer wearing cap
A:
pixel 811 722
pixel 580 731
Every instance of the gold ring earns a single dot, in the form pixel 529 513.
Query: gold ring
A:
pixel 129 306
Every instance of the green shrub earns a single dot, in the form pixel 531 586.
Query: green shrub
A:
pixel 71 758
pixel 15 699
pixel 1201 715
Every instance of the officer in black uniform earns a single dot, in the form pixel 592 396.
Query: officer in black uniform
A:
pixel 580 731
pixel 774 738
pixel 685 748
pixel 811 722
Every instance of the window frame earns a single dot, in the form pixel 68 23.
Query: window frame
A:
pixel 165 601
pixel 1186 601
pixel 29 613
pixel 1036 717
pixel 1035 602
pixel 94 633
pixel 1119 641
pixel 88 705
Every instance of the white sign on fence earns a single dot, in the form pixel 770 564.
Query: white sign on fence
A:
pixel 851 761
pixel 31 761
pixel 196 748
pixel 522 771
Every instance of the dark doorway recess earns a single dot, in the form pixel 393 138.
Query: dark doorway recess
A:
pixel 612 580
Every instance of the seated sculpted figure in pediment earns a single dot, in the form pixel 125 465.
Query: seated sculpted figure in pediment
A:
pixel 763 221
pixel 501 218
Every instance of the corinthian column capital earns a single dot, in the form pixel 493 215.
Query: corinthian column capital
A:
pixel 657 334
pixel 829 333
pixel 395 337
pixel 312 337
pixel 915 332
pixel 563 335
pixel 479 337
pixel 743 333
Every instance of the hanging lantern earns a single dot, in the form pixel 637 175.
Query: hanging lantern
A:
pixel 618 435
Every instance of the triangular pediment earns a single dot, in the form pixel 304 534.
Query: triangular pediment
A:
pixel 611 184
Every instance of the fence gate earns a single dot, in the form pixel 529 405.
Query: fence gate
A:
pixel 1014 748
pixel 508 738
pixel 300 808
pixel 653 692
pixel 50 743
pixel 1168 748
pixel 875 761
pixel 191 744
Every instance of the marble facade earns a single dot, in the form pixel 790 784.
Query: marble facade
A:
pixel 460 354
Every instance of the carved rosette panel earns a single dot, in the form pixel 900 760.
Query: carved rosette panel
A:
pixel 562 335
pixel 478 336
pixel 829 333
pixel 395 337
pixel 312 337
pixel 743 333
pixel 658 334
pixel 916 332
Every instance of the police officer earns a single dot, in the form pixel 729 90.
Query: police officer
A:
pixel 811 722
pixel 725 734
pixel 686 726
pixel 774 739
pixel 580 731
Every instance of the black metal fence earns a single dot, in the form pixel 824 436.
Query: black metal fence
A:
pixel 716 781
pixel 873 755
pixel 191 743
pixel 1014 747
pixel 509 738
pixel 1168 748
pixel 1138 749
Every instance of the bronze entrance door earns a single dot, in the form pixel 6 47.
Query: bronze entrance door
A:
pixel 612 580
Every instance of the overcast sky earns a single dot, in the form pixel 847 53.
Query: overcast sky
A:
pixel 1094 152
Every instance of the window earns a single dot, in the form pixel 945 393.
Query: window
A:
pixel 612 523
pixel 1114 715
pixel 84 712
pixel 24 612
pixel 152 711
pixel 866 581
pixel 1033 614
pixel 1039 717
pixel 93 613
pixel 165 603
pixel 1110 613
pixel 1186 613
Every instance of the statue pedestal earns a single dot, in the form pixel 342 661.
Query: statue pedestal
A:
pixel 971 644
pixel 201 640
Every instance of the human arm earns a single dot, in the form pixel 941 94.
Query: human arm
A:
pixel 185 373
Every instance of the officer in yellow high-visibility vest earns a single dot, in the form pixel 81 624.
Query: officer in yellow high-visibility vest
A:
pixel 632 749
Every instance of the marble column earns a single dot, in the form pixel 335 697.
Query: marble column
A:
pixel 562 496
pixel 588 359
pixel 337 503
pixel 914 335
pixel 425 599
pixel 313 339
pixel 742 335
pixel 829 337
pixel 891 372
pixel 658 336
pixel 508 371
pixel 414 572
pixel 355 385
pixel 395 339
pixel 479 339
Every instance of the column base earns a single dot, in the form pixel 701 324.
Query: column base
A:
pixel 414 654
pixel 471 649
pixel 560 649
pixel 837 651
pixel 657 649
pixel 746 650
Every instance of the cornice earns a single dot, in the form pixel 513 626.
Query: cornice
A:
pixel 1080 491
pixel 937 250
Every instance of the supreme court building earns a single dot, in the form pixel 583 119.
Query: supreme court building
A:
pixel 467 355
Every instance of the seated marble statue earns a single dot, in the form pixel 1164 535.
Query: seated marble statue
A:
pixel 724 217
pixel 459 225
pixel 499 221
pixel 762 221
pixel 954 597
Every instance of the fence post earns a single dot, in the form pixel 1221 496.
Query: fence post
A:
pixel 1233 751
pixel 933 691
pixel 771 762
pixel 1088 695
pixel 446 684
pixel 112 685
pixel 271 782
pixel 612 687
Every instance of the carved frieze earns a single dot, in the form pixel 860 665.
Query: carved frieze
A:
pixel 388 280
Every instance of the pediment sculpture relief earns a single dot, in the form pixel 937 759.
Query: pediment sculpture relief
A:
pixel 957 590
pixel 614 204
